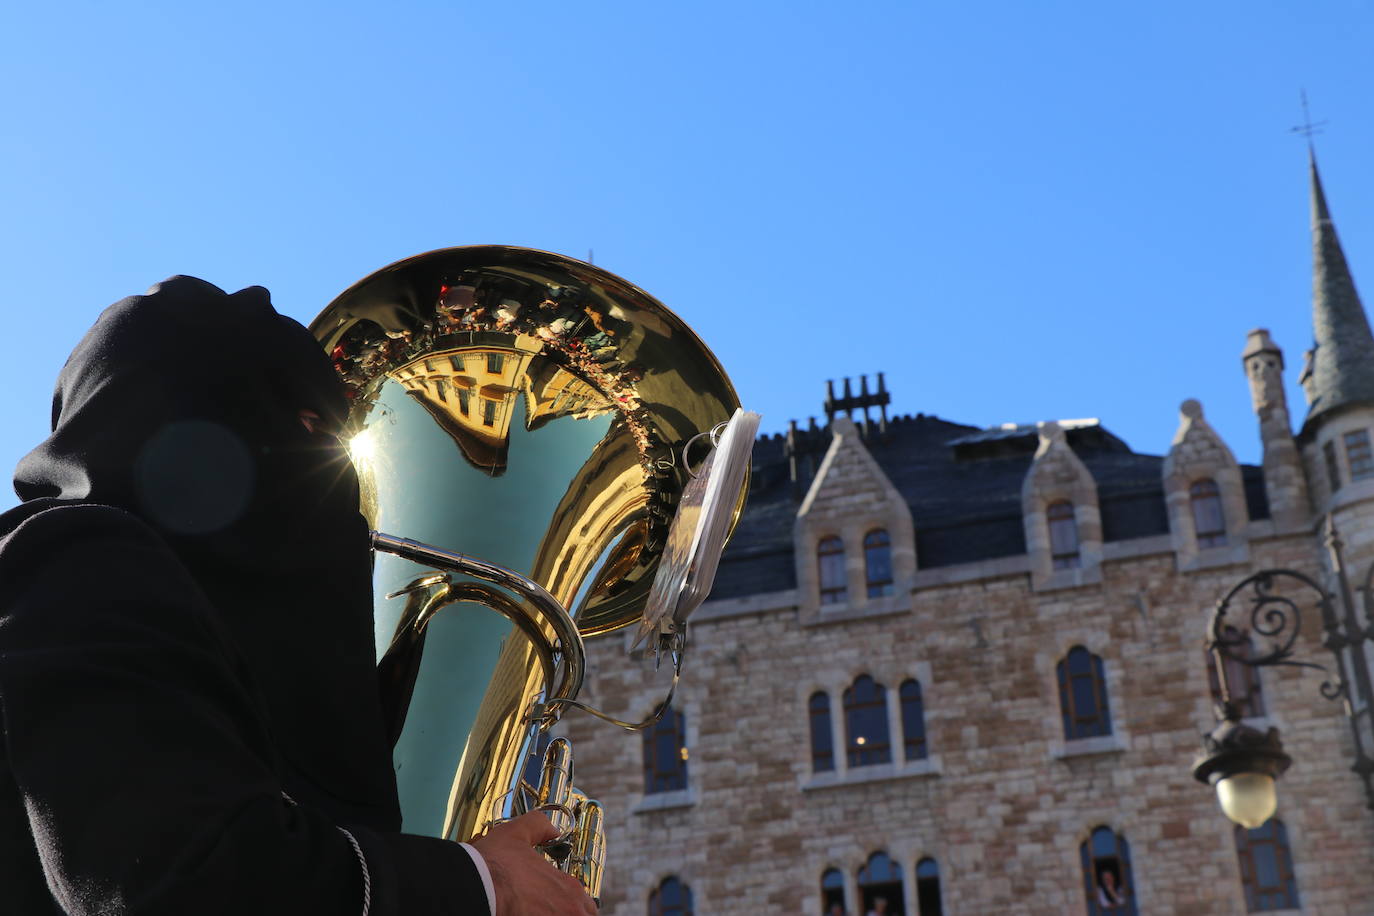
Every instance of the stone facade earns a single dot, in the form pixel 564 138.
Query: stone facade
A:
pixel 1003 800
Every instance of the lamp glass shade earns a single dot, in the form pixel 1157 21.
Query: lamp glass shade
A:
pixel 1249 799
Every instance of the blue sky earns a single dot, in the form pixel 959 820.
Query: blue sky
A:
pixel 1019 211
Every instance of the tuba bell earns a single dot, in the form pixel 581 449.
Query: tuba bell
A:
pixel 531 410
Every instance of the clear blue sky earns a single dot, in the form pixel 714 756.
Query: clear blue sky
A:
pixel 1018 210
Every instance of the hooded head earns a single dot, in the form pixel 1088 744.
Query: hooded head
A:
pixel 183 407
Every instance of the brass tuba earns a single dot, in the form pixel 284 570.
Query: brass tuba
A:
pixel 532 410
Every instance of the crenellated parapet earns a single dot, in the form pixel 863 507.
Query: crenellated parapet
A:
pixel 1204 492
pixel 1060 511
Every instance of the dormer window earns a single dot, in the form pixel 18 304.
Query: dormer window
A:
pixel 1063 535
pixel 830 560
pixel 1209 522
pixel 878 563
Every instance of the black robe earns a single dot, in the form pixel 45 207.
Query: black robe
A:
pixel 188 694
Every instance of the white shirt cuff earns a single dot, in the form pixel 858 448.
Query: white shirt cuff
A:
pixel 482 870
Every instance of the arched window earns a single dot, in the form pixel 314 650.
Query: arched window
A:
pixel 665 755
pixel 822 746
pixel 1107 876
pixel 928 901
pixel 865 723
pixel 1266 867
pixel 830 560
pixel 880 885
pixel 1083 695
pixel 1209 522
pixel 1063 535
pixel 878 563
pixel 1242 680
pixel 832 892
pixel 913 720
pixel 670 898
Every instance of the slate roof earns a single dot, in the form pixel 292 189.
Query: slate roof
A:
pixel 1340 370
pixel 963 485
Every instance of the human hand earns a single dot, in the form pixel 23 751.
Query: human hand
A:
pixel 524 881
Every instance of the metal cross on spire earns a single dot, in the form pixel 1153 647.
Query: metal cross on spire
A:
pixel 1307 128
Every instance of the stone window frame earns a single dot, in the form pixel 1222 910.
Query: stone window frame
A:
pixel 1089 858
pixel 1245 840
pixel 674 721
pixel 832 893
pixel 864 746
pixel 862 885
pixel 1359 455
pixel 884 587
pixel 898 768
pixel 814 716
pixel 905 703
pixel 1070 716
pixel 851 853
pixel 828 591
pixel 1333 466
pixel 655 906
pixel 1205 507
pixel 674 798
pixel 927 879
pixel 1061 522
pixel 1099 644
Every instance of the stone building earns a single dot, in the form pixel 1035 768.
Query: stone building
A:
pixel 963 669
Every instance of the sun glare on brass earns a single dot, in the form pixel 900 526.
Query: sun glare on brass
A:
pixel 529 410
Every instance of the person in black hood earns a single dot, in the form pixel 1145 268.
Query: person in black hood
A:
pixel 188 696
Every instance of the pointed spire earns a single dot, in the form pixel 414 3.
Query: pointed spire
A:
pixel 1341 365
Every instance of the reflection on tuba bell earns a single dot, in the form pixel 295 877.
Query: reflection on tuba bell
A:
pixel 532 410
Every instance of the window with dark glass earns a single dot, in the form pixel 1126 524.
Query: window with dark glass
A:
pixel 880 878
pixel 878 563
pixel 1359 455
pixel 665 755
pixel 456 362
pixel 832 891
pixel 830 558
pixel 1333 467
pixel 1107 877
pixel 822 744
pixel 488 412
pixel 928 902
pixel 495 362
pixel 865 723
pixel 1063 535
pixel 670 898
pixel 1209 523
pixel 1266 867
pixel 464 402
pixel 1242 680
pixel 913 720
pixel 1083 695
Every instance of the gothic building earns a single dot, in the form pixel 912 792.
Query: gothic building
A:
pixel 962 669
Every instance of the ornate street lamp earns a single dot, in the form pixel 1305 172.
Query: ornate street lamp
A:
pixel 1241 762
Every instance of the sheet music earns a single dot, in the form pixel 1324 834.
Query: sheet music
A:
pixel 696 539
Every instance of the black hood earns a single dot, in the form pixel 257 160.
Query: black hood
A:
pixel 182 407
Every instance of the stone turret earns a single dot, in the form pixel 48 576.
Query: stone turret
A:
pixel 1284 481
